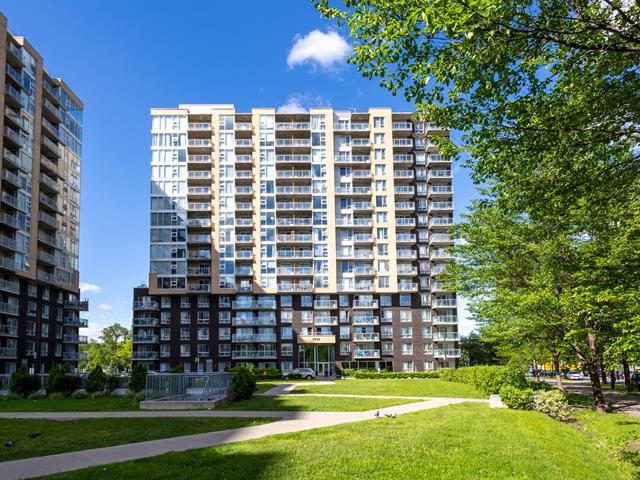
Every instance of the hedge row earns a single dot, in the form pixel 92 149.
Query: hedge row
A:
pixel 488 379
pixel 365 374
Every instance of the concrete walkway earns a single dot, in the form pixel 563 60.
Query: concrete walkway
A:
pixel 289 422
pixel 284 388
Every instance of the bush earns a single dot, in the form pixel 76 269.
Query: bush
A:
pixel 95 395
pixel 517 398
pixel 293 376
pixel 130 395
pixel 36 396
pixel 112 384
pixel 487 378
pixel 348 372
pixel 367 374
pixel 268 374
pixel 539 386
pixel 553 403
pixel 79 395
pixel 57 396
pixel 60 381
pixel 243 384
pixel 138 378
pixel 96 380
pixel 139 396
pixel 13 396
pixel 23 383
pixel 179 368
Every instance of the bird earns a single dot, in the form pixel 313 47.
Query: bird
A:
pixel 377 414
pixel 10 443
pixel 33 434
pixel 390 415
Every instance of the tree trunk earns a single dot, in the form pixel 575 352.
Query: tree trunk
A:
pixel 627 374
pixel 556 366
pixel 592 368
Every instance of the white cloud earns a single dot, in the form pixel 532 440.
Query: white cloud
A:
pixel 324 50
pixel 302 102
pixel 89 288
pixel 104 306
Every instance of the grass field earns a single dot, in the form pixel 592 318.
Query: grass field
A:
pixel 467 441
pixel 428 387
pixel 71 435
pixel 313 404
pixel 106 404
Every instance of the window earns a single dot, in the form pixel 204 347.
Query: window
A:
pixel 44 329
pixel 203 334
pixel 224 333
pixel 286 316
pixel 286 366
pixel 382 233
pixel 45 293
pixel 345 348
pixel 185 317
pixel 203 350
pixel 32 290
pixel 378 122
pixel 383 249
pixel 426 332
pixel 306 301
pixel 224 318
pixel 165 301
pixel 286 301
pixel 405 315
pixel 383 282
pixel 378 138
pixel 185 334
pixel 185 350
pixel 345 333
pixel 203 316
pixel 286 333
pixel 203 301
pixel 165 334
pixel 407 366
pixel 380 170
pixel 383 266
pixel 224 350
pixel 387 316
pixel 378 154
pixel 306 316
pixel 385 300
pixel 32 310
pixel 405 300
pixel 344 299
pixel 387 348
pixel 381 185
pixel 426 315
pixel 381 217
pixel 185 302
pixel 386 331
pixel 286 349
pixel 428 366
pixel 406 332
pixel 31 328
pixel 44 349
pixel 381 201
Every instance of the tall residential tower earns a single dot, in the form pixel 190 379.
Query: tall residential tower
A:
pixel 296 240
pixel 39 212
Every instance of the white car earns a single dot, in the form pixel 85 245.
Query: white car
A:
pixel 307 373
pixel 575 375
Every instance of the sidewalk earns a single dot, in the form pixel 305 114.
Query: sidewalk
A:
pixel 289 422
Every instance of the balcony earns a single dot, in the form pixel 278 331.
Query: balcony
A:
pixel 365 320
pixel 244 159
pixel 294 271
pixel 361 206
pixel 446 336
pixel 199 222
pixel 81 305
pixel 199 143
pixel 295 254
pixel 198 175
pixel 365 304
pixel 199 272
pixel 243 126
pixel 352 159
pixel 199 191
pixel 404 190
pixel 254 338
pixel 403 142
pixel 403 158
pixel 362 238
pixel 293 221
pixel 444 303
pixel 258 304
pixel 293 205
pixel 14 136
pixel 405 222
pixel 434 159
pixel 75 322
pixel 249 354
pixel 8 331
pixel 199 126
pixel 353 191
pixel 243 143
pixel 405 238
pixel 199 159
pixel 199 287
pixel 8 308
pixel 51 109
pixel 439 174
pixel 253 322
pixel 72 338
pixel 446 353
pixel 407 270
pixel 6 352
pixel 244 238
pixel 293 174
pixel 21 161
pixel 440 222
pixel 293 126
pixel 293 158
pixel 244 254
pixel 138 355
pixel 444 320
pixel 145 322
pixel 325 304
pixel 12 96
pixel 403 174
pixel 295 287
pixel 286 190
pixel 407 287
pixel 145 305
pixel 402 126
pixel 242 175
pixel 145 339
pixel 354 222
pixel 199 255
pixel 325 320
pixel 199 206
pixel 244 206
pixel 295 238
pixel 11 286
pixel 366 337
pixel 198 238
pixel 293 142
pixel 366 354
pixel 440 207
pixel 440 238
pixel 48 219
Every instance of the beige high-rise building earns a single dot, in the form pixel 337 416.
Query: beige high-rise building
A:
pixel 296 240
pixel 39 212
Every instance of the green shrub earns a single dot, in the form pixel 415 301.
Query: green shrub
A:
pixel 13 396
pixel 60 381
pixel 553 403
pixel 36 396
pixel 487 378
pixel 96 380
pixel 179 368
pixel 294 376
pixel 367 374
pixel 57 396
pixel 517 398
pixel 243 384
pixel 139 396
pixel 95 395
pixel 112 384
pixel 130 395
pixel 23 383
pixel 138 378
pixel 268 374
pixel 348 372
pixel 539 386
pixel 79 395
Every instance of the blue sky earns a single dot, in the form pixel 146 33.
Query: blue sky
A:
pixel 124 57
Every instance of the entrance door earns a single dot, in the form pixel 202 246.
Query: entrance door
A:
pixel 325 369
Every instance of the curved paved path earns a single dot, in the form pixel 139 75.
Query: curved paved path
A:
pixel 289 422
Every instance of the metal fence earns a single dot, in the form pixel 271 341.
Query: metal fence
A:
pixel 122 385
pixel 188 386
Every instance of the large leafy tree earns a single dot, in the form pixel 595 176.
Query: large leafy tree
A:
pixel 112 351
pixel 547 95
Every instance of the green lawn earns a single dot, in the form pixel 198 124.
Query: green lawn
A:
pixel 71 435
pixel 427 387
pixel 106 404
pixel 313 404
pixel 467 441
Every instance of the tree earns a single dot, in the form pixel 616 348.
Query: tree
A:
pixel 112 351
pixel 477 351
pixel 547 95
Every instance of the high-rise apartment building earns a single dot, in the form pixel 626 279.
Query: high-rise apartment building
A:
pixel 296 240
pixel 39 212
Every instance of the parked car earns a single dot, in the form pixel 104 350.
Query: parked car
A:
pixel 575 375
pixel 635 381
pixel 307 373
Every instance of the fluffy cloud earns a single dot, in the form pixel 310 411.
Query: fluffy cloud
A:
pixel 324 50
pixel 89 288
pixel 104 306
pixel 301 103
